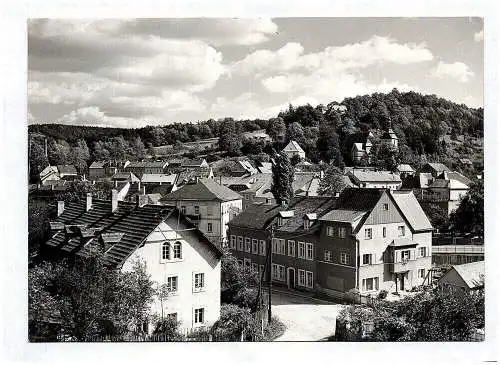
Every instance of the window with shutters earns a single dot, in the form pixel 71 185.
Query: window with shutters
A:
pixel 255 246
pixel 291 248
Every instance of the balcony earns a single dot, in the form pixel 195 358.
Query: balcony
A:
pixel 397 267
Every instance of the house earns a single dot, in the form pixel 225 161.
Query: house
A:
pixel 209 205
pixel 140 168
pixel 294 149
pixel 253 189
pixel 366 178
pixel 361 150
pixel 465 161
pixel 101 169
pixel 373 239
pixel 434 168
pixel 192 175
pixel 405 170
pixel 265 167
pixel 67 172
pixel 390 139
pixel 125 177
pixel 176 254
pixel 48 175
pixel 195 163
pixel 259 135
pixel 467 277
pixel 296 238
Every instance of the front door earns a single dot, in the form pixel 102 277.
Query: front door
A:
pixel 402 282
pixel 291 277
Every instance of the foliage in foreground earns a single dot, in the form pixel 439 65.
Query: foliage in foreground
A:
pixel 429 315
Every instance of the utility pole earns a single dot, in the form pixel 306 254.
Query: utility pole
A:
pixel 269 271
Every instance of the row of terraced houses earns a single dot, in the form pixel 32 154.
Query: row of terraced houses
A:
pixel 367 239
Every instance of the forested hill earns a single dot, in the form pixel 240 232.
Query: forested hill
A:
pixel 425 125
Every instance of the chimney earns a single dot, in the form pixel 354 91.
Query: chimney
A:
pixel 142 200
pixel 114 200
pixel 88 205
pixel 60 208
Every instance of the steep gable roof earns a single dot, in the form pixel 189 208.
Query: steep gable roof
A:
pixel 405 168
pixel 205 189
pixel 472 273
pixel 97 165
pixel 360 200
pixel 293 146
pixel 438 166
pixel 411 210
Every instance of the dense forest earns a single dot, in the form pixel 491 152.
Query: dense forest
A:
pixel 326 133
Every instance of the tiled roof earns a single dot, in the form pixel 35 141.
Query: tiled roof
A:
pixel 159 178
pixel 454 175
pixel 147 164
pixel 405 168
pixel 97 165
pixel 411 210
pixel 341 215
pixel 162 189
pixel 438 166
pixel 256 216
pixel 67 169
pixel 189 175
pixel 205 189
pixel 361 200
pixel 375 176
pixel 472 273
pixel 129 176
pixel 135 224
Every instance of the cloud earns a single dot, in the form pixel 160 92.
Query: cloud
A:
pixel 479 36
pixel 217 32
pixel 456 70
pixel 376 50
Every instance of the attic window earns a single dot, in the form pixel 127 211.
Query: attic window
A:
pixel 307 223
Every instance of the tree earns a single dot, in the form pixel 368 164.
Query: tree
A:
pixel 230 142
pixel 38 225
pixel 469 216
pixel 437 216
pixel 295 132
pixel 37 159
pixel 283 175
pixel 87 298
pixel 332 183
pixel 100 152
pixel 237 282
pixel 80 155
pixel 328 144
pixel 138 148
pixel 276 129
pixel 232 323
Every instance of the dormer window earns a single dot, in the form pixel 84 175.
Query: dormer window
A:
pixel 307 223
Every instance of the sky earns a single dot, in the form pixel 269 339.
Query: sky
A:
pixel 136 72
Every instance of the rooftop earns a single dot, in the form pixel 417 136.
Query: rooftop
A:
pixel 204 189
pixel 293 146
pixel 375 176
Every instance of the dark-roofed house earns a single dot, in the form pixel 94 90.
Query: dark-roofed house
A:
pixel 374 179
pixel 435 168
pixel 176 253
pixel 374 239
pixel 296 239
pixel 140 168
pixel 209 205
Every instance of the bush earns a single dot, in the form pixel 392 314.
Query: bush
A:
pixel 382 294
pixel 274 330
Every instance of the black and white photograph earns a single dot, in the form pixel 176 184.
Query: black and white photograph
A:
pixel 224 179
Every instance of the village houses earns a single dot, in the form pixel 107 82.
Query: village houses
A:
pixel 177 255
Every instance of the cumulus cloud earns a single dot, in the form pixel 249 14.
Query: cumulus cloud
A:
pixel 479 36
pixel 456 70
pixel 375 50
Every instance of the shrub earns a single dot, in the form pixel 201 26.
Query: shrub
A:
pixel 382 294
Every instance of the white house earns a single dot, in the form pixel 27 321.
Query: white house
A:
pixel 294 149
pixel 177 255
pixel 374 179
pixel 210 205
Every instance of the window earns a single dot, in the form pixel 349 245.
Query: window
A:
pixel 301 250
pixel 172 282
pixel 280 221
pixel 240 243
pixel 255 246
pixel 209 227
pixel 183 209
pixel 328 255
pixel 255 267
pixel 302 277
pixel 291 248
pixel 422 251
pixel 248 247
pixel 401 231
pixel 421 273
pixel 247 262
pixel 240 262
pixel 177 250
pixel 210 210
pixel 370 284
pixel 233 242
pixel 282 247
pixel 199 281
pixel 309 279
pixel 275 245
pixel 309 251
pixel 307 223
pixel 367 259
pixel 368 233
pixel 196 210
pixel 165 251
pixel 199 315
pixel 344 258
pixel 405 255
pixel 342 232
pixel 278 272
pixel 330 231
pixel 384 232
pixel 385 206
pixel 262 248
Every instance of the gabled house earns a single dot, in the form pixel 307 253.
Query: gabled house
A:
pixel 405 170
pixel 466 277
pixel 48 175
pixel 195 163
pixel 434 168
pixel 209 205
pixel 294 149
pixel 102 169
pixel 140 168
pixel 125 177
pixel 390 139
pixel 176 254
pixel 366 178
pixel 374 239
pixel 67 172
